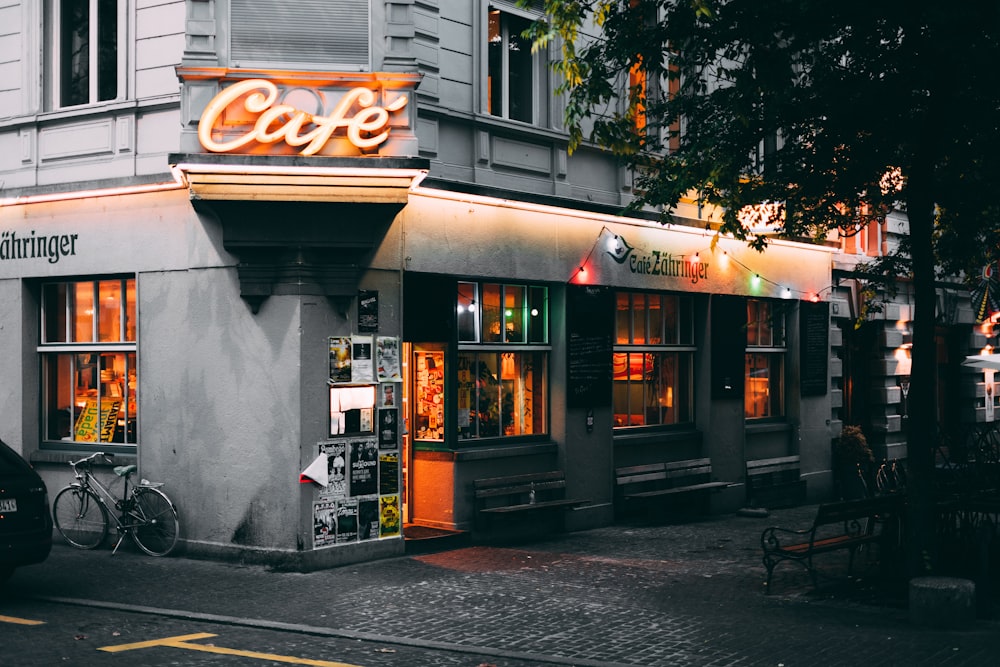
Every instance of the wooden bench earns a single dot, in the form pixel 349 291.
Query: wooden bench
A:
pixel 521 495
pixel 847 525
pixel 659 481
pixel 775 482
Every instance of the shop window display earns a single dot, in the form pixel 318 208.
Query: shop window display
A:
pixel 653 360
pixel 502 363
pixel 765 360
pixel 88 357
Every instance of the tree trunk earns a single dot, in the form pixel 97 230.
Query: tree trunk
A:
pixel 923 433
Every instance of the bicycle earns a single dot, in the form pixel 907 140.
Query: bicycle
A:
pixel 81 510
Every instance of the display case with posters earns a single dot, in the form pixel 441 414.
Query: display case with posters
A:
pixel 429 405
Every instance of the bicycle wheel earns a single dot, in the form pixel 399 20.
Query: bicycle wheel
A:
pixel 80 517
pixel 156 526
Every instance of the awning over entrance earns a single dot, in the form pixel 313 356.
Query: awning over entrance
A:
pixel 299 225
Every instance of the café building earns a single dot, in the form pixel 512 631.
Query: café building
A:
pixel 316 342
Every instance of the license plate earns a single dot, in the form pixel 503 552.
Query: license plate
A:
pixel 8 504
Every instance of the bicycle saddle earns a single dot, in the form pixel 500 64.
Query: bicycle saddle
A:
pixel 123 471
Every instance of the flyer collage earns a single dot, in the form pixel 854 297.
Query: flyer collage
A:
pixel 360 500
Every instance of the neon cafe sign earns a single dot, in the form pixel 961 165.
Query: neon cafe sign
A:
pixel 366 124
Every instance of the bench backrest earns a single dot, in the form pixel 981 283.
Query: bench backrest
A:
pixel 492 487
pixel 773 470
pixel 856 510
pixel 671 472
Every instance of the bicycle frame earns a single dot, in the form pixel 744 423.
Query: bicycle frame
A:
pixel 118 509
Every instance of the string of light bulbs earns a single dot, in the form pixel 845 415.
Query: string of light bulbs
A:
pixel 756 278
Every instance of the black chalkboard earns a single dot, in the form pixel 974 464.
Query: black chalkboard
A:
pixel 814 347
pixel 729 344
pixel 590 322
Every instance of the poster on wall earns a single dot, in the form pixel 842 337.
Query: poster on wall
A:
pixel 368 519
pixel 368 311
pixel 388 473
pixel 388 428
pixel 336 456
pixel 388 358
pixel 324 524
pixel 389 516
pixel 387 395
pixel 340 359
pixel 364 468
pixel 362 368
pixel 347 521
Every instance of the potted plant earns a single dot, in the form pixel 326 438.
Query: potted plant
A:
pixel 852 460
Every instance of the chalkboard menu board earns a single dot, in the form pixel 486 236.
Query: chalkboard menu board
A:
pixel 814 347
pixel 729 344
pixel 590 327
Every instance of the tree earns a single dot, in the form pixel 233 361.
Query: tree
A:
pixel 834 113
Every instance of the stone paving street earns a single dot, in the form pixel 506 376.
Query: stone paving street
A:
pixel 639 595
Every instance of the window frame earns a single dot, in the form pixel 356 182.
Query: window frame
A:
pixel 681 347
pixel 68 346
pixel 54 68
pixel 775 351
pixel 532 344
pixel 508 12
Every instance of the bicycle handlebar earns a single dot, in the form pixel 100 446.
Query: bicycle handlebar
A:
pixel 108 457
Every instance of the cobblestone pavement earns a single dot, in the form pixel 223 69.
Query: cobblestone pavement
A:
pixel 639 595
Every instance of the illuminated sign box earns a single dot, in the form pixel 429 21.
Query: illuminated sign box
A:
pixel 308 114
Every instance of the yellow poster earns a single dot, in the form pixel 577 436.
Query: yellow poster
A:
pixel 388 516
pixel 90 421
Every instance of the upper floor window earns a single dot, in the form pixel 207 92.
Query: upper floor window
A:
pixel 87 51
pixel 88 361
pixel 653 360
pixel 765 360
pixel 512 90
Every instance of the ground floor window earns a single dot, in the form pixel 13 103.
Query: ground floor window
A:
pixel 501 393
pixel 653 369
pixel 764 387
pixel 652 388
pixel 88 361
pixel 764 394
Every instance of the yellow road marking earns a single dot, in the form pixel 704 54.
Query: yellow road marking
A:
pixel 166 641
pixel 20 621
pixel 183 641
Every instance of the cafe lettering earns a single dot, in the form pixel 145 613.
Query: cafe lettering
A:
pixel 366 124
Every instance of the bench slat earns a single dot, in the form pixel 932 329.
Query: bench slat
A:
pixel 520 488
pixel 677 489
pixel 518 479
pixel 526 507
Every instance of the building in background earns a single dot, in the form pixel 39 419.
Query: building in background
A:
pixel 319 266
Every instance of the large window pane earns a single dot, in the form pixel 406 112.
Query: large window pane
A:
pixel 501 394
pixel 652 374
pixel 89 390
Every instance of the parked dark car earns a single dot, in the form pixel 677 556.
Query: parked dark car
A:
pixel 25 519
